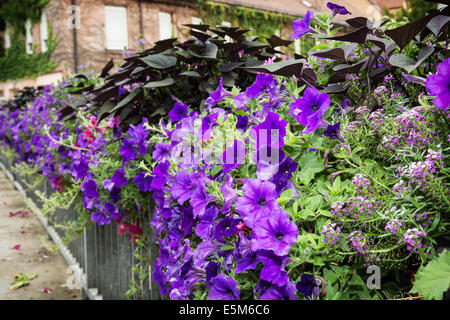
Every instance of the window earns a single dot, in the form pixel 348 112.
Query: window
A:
pixel 297 46
pixel 165 25
pixel 28 37
pixel 227 24
pixel 44 32
pixel 116 29
pixel 196 20
pixel 7 38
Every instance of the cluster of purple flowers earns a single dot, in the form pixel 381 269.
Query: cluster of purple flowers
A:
pixel 393 225
pixel 419 173
pixel 333 234
pixel 253 227
pixel 412 130
pixel 362 184
pixel 359 242
pixel 357 208
pixel 424 219
pixel 413 239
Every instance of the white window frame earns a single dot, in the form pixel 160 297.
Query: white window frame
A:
pixel 116 28
pixel 7 38
pixel 165 25
pixel 297 46
pixel 28 37
pixel 44 32
pixel 227 24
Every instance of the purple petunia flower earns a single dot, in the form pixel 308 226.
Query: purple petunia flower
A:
pixel 160 173
pixel 89 188
pixel 185 185
pixel 258 200
pixel 308 285
pixel 262 82
pixel 229 194
pixel 212 270
pixel 273 270
pixel 286 292
pixel 333 131
pixel 178 112
pixel 81 169
pixel 128 150
pixel 301 26
pixel 275 232
pixel 271 132
pixel 337 9
pixel 218 95
pixel 143 181
pixel 119 178
pixel 199 200
pixel 226 227
pixel 439 85
pixel 223 288
pixel 100 218
pixel 234 156
pixel 242 123
pixel 284 173
pixel 161 151
pixel 207 123
pixel 310 109
pixel 112 210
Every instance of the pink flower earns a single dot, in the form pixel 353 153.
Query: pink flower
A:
pixel 16 247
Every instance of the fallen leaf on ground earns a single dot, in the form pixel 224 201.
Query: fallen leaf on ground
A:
pixel 16 247
pixel 25 214
pixel 46 290
pixel 21 280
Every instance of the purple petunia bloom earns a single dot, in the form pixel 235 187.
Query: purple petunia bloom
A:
pixel 218 95
pixel 212 270
pixel 271 132
pixel 337 9
pixel 226 227
pixel 143 181
pixel 207 123
pixel 185 185
pixel 284 173
pixel 81 169
pixel 286 292
pixel 112 210
pixel 119 178
pixel 234 156
pixel 100 218
pixel 128 150
pixel 223 288
pixel 229 194
pixel 439 85
pixel 242 123
pixel 206 225
pixel 262 82
pixel 273 270
pixel 310 109
pixel 275 232
pixel 301 26
pixel 161 151
pixel 138 135
pixel 199 200
pixel 161 173
pixel 333 131
pixel 89 188
pixel 178 112
pixel 307 285
pixel 258 200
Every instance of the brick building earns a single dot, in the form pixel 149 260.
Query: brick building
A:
pixel 90 32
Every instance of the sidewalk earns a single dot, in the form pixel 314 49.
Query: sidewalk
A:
pixel 22 250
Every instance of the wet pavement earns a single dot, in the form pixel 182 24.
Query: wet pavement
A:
pixel 26 248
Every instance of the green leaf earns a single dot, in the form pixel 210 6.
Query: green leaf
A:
pixel 433 279
pixel 306 175
pixel 21 280
pixel 312 203
pixel 216 170
pixel 285 196
pixel 310 160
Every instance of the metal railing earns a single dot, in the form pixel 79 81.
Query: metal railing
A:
pixel 102 259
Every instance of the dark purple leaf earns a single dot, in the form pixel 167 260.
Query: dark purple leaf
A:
pixel 339 53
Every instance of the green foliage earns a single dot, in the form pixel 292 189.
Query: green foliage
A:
pixel 16 12
pixel 416 9
pixel 434 279
pixel 17 64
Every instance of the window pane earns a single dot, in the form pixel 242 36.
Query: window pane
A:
pixel 44 32
pixel 165 25
pixel 116 28
pixel 28 37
